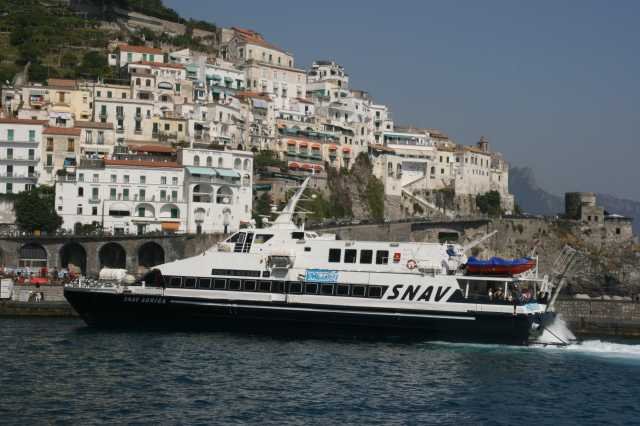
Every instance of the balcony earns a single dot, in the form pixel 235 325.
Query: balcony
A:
pixel 93 200
pixel 103 115
pixel 14 177
pixel 19 143
pixel 18 159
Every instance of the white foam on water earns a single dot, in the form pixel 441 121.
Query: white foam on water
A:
pixel 556 333
pixel 603 348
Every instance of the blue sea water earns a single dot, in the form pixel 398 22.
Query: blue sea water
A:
pixel 57 371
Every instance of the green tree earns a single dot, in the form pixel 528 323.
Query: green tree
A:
pixel 375 197
pixel 489 203
pixel 38 72
pixel 69 60
pixel 262 207
pixel 94 64
pixel 35 210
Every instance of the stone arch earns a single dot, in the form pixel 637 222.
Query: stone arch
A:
pixel 73 257
pixel 112 255
pixel 196 160
pixel 224 195
pixel 202 193
pixel 170 211
pixel 145 210
pixel 32 255
pixel 150 254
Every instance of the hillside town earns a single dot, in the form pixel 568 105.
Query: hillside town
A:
pixel 169 146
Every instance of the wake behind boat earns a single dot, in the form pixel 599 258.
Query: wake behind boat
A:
pixel 282 278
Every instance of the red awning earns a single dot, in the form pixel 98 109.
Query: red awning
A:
pixel 346 149
pixel 317 167
pixel 315 146
pixel 294 166
pixel 306 167
pixel 302 144
pixel 332 147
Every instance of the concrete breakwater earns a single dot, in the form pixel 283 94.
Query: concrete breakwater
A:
pixel 601 317
pixel 40 309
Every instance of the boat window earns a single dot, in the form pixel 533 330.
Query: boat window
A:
pixel 358 291
pixel 307 249
pixel 175 282
pixel 277 287
pixel 235 272
pixel 204 283
pixel 334 255
pixel 311 288
pixel 266 274
pixel 326 289
pixel 249 285
pixel 234 285
pixel 190 283
pixel 264 286
pixel 262 238
pixel 374 292
pixel 295 288
pixel 342 290
pixel 234 237
pixel 382 257
pixel 350 256
pixel 219 284
pixel 297 235
pixel 366 256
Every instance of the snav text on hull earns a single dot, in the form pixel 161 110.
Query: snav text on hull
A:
pixel 283 277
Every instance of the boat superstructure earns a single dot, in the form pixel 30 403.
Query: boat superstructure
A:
pixel 285 278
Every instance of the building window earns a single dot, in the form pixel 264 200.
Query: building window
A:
pixel 125 194
pixel 71 145
pixel 95 193
pixel 94 211
pixel 112 193
pixel 9 153
pixel 10 135
pixel 49 144
pixel 334 255
pixel 163 195
pixel 141 194
pixel 80 192
pixel 163 180
pixel 79 210
pixel 174 195
pixel 32 135
pixel 174 180
pixel 88 137
pixel 50 162
pixel 196 160
pixel 141 212
pixel 9 188
pixel 114 178
pixel 143 180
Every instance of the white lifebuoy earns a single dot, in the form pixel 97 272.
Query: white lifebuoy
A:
pixel 411 264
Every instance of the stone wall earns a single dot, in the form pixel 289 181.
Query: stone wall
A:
pixel 601 317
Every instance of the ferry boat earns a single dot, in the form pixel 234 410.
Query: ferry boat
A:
pixel 282 278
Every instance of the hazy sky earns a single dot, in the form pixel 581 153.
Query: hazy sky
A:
pixel 554 85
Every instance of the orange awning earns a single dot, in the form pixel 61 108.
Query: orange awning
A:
pixel 332 147
pixel 315 146
pixel 170 226
pixel 346 149
pixel 302 144
pixel 291 142
pixel 317 167
pixel 307 167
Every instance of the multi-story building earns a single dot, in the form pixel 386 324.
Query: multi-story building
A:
pixel 204 191
pixel 97 140
pixel 19 154
pixel 60 150
pixel 132 118
pixel 165 84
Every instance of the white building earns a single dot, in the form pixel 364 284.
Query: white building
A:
pixel 20 142
pixel 205 191
pixel 126 53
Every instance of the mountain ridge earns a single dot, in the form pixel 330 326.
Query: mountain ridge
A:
pixel 535 200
